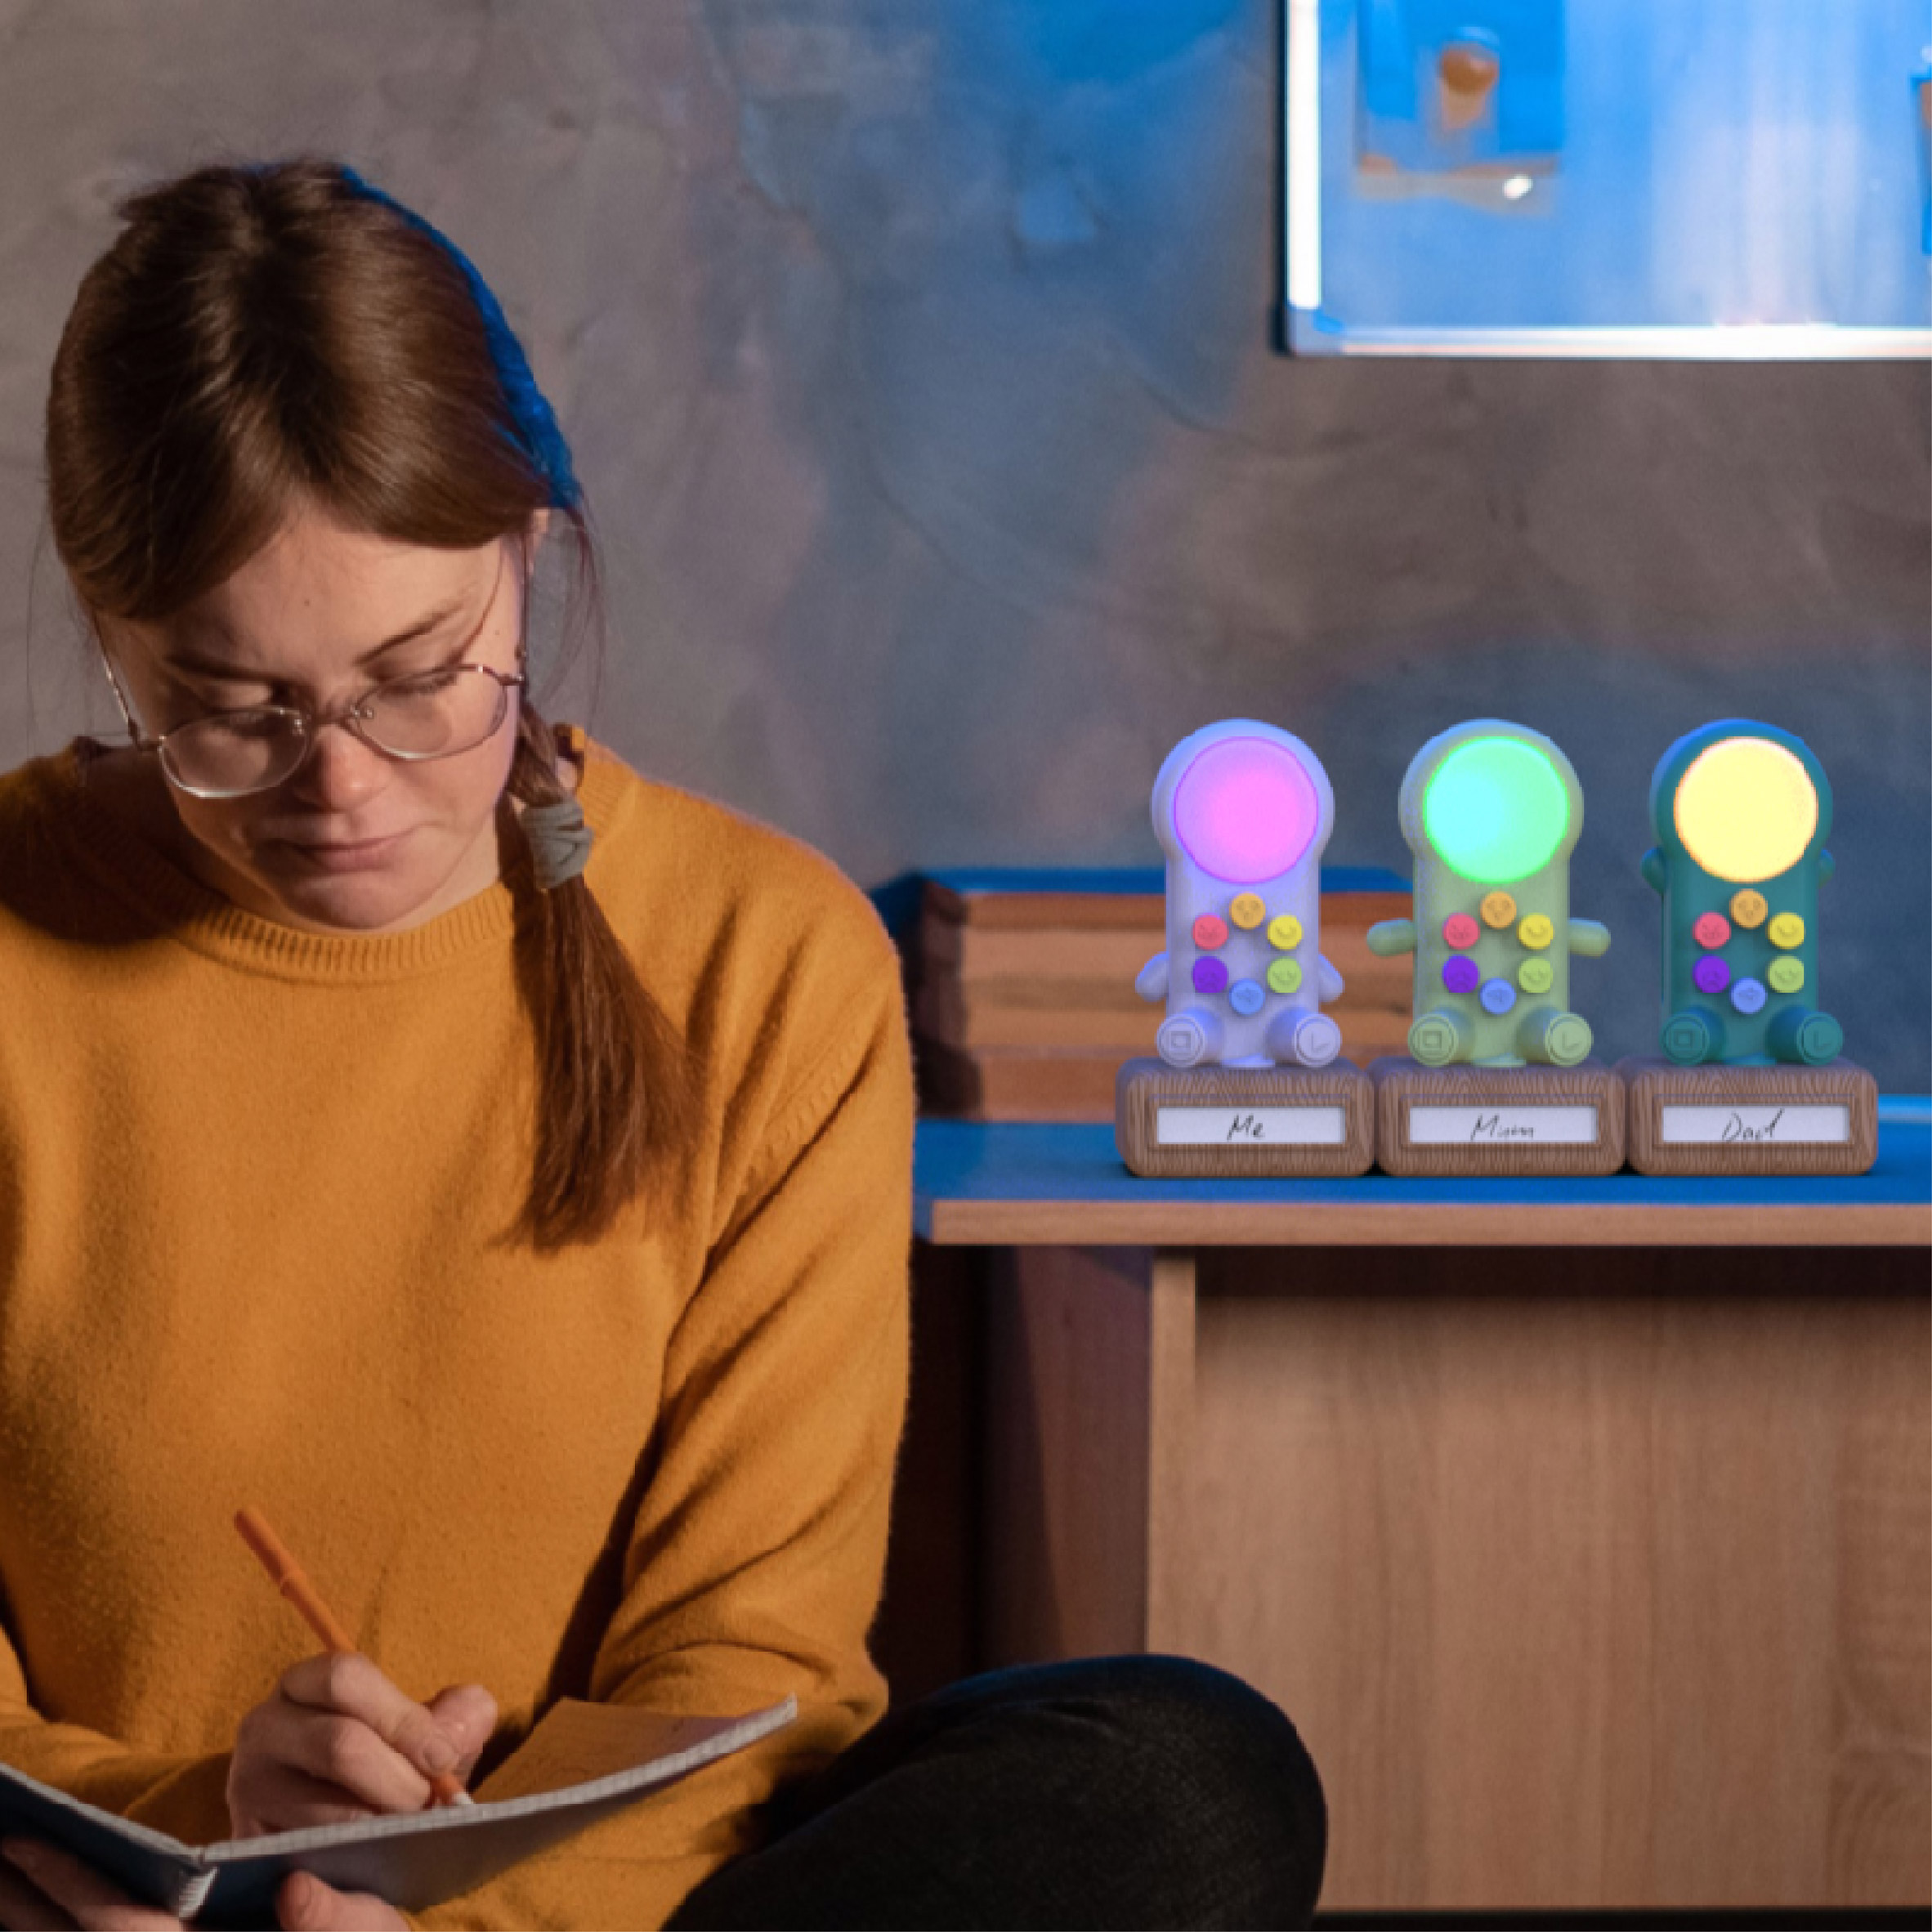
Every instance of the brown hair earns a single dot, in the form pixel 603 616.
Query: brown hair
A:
pixel 263 338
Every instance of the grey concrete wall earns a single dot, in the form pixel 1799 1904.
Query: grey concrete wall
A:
pixel 916 358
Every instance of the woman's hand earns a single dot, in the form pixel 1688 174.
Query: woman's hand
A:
pixel 67 1892
pixel 339 1741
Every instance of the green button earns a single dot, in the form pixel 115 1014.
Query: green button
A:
pixel 1786 975
pixel 1284 976
pixel 1536 975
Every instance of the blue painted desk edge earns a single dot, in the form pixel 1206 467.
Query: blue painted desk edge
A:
pixel 1042 1160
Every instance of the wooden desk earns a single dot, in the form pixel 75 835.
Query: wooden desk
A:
pixel 1584 1528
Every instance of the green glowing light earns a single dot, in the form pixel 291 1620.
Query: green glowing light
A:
pixel 1495 810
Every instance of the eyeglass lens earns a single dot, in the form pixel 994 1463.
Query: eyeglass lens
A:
pixel 429 717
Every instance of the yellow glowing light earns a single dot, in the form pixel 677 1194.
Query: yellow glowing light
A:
pixel 1746 810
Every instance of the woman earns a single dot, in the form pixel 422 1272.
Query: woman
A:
pixel 343 956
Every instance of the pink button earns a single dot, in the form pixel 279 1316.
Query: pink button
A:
pixel 1461 931
pixel 1209 932
pixel 1712 930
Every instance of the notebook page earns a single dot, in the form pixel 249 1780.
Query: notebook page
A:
pixel 575 1742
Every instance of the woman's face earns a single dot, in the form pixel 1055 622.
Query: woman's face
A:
pixel 309 620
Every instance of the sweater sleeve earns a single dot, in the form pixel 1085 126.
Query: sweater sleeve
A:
pixel 756 1559
pixel 173 1792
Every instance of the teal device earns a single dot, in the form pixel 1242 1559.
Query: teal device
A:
pixel 1742 812
pixel 1491 811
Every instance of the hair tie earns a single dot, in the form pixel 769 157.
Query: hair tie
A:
pixel 559 841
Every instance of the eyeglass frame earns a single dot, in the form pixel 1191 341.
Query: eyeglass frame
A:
pixel 311 722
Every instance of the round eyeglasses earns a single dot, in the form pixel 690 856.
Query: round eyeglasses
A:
pixel 227 754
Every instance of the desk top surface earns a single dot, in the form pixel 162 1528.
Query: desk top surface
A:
pixel 1025 1182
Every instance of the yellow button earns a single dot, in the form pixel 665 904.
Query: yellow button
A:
pixel 1787 974
pixel 1247 912
pixel 1748 908
pixel 1535 932
pixel 1787 929
pixel 1284 934
pixel 1498 910
pixel 1535 976
pixel 1284 976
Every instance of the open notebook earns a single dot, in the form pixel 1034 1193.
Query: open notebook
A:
pixel 580 1762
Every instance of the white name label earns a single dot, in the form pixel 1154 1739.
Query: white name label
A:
pixel 1719 1126
pixel 1524 1126
pixel 1249 1126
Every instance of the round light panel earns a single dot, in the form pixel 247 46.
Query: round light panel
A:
pixel 1496 810
pixel 1745 809
pixel 1245 809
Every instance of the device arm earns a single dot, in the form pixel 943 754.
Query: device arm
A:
pixel 1330 981
pixel 1150 982
pixel 1653 868
pixel 1387 937
pixel 1589 937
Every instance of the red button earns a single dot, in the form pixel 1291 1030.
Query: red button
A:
pixel 1461 931
pixel 1209 932
pixel 1712 930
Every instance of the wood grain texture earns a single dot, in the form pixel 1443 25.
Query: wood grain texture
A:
pixel 1377 1222
pixel 1579 1601
pixel 1143 1087
pixel 1089 1377
pixel 1652 1085
pixel 1402 1085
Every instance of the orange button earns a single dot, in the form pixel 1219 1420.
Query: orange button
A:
pixel 1712 930
pixel 1247 912
pixel 1787 930
pixel 1209 933
pixel 1498 910
pixel 1748 909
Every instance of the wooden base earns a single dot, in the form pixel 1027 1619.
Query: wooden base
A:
pixel 1497 1120
pixel 1230 1122
pixel 1750 1119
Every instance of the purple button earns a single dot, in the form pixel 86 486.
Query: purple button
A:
pixel 1459 975
pixel 1710 974
pixel 1498 995
pixel 1210 975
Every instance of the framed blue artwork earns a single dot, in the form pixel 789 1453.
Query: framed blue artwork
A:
pixel 1636 178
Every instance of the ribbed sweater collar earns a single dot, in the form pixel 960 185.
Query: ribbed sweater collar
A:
pixel 183 909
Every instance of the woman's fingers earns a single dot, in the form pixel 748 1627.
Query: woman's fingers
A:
pixel 307 1903
pixel 281 1792
pixel 25 1907
pixel 350 1725
pixel 81 1897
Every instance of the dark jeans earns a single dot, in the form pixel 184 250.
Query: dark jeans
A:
pixel 1106 1791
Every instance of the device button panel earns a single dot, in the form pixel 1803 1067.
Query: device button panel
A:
pixel 1233 965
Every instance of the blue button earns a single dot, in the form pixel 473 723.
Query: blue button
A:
pixel 1747 996
pixel 1498 995
pixel 1245 995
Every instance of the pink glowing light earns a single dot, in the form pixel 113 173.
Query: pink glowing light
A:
pixel 1245 810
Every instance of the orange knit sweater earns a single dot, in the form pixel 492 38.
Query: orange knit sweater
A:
pixel 249 1178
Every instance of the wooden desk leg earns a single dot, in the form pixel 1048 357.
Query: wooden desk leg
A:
pixel 1088 1429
